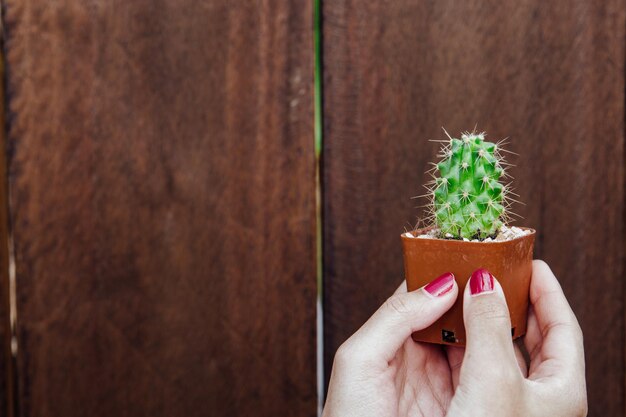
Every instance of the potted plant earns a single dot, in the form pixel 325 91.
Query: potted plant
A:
pixel 467 230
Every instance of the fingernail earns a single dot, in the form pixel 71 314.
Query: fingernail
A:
pixel 481 282
pixel 440 285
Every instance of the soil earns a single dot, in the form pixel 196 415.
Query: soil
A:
pixel 505 233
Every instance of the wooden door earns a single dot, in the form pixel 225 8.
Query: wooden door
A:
pixel 162 185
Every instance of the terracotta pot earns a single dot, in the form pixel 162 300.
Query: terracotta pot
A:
pixel 509 261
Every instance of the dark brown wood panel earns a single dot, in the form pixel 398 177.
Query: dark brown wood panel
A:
pixel 548 74
pixel 6 356
pixel 162 184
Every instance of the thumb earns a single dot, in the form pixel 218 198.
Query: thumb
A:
pixel 402 314
pixel 488 330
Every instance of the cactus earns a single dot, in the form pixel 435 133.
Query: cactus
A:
pixel 468 199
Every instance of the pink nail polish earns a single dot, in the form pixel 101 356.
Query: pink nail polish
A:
pixel 440 285
pixel 481 282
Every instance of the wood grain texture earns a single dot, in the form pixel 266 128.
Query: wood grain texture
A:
pixel 6 356
pixel 162 183
pixel 548 74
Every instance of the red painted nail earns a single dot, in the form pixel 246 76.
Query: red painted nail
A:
pixel 440 285
pixel 481 282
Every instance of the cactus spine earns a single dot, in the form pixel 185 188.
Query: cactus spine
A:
pixel 468 199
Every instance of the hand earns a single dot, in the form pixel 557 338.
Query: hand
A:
pixel 490 382
pixel 380 371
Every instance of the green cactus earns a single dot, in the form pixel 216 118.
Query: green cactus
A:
pixel 468 197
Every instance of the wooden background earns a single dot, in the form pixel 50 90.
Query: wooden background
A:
pixel 162 188
pixel 548 74
pixel 161 171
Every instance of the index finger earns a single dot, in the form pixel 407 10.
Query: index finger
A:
pixel 554 338
pixel 401 288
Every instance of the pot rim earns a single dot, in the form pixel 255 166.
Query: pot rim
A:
pixel 417 232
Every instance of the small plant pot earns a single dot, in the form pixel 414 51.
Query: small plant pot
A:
pixel 509 261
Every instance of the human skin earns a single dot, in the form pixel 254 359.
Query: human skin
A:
pixel 380 371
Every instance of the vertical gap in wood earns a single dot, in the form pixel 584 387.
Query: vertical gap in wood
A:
pixel 317 110
pixel 7 287
pixel 623 229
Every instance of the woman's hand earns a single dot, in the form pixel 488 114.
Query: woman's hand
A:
pixel 490 382
pixel 381 372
